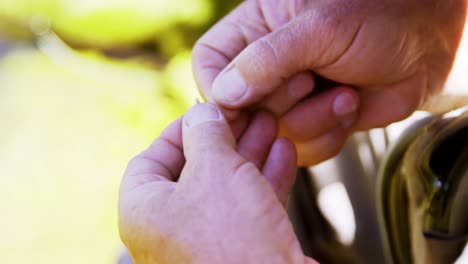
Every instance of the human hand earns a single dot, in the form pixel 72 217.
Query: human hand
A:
pixel 395 54
pixel 195 196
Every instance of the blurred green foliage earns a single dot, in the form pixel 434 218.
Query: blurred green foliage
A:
pixel 84 85
pixel 118 23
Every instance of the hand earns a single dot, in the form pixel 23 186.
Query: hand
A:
pixel 195 196
pixel 394 53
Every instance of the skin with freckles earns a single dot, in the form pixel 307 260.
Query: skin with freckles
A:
pixel 388 56
pixel 199 194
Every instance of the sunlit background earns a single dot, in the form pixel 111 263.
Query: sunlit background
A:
pixel 85 85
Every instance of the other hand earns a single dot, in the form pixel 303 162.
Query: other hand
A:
pixel 395 54
pixel 198 196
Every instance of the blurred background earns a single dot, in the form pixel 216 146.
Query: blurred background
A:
pixel 84 86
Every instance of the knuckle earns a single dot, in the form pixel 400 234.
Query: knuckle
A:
pixel 258 60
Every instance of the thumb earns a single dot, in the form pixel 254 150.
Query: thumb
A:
pixel 310 42
pixel 207 136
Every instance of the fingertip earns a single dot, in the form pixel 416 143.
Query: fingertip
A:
pixel 205 132
pixel 287 147
pixel 283 155
pixel 201 113
pixel 229 87
pixel 255 143
pixel 346 106
pixel 280 167
pixel 345 103
pixel 287 151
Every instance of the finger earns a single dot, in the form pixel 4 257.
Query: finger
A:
pixel 280 168
pixel 161 161
pixel 289 94
pixel 309 42
pixel 256 141
pixel 239 124
pixel 322 148
pixel 321 113
pixel 148 182
pixel 209 145
pixel 224 41
pixel 391 103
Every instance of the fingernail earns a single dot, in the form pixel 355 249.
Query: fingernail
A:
pixel 229 87
pixel 345 106
pixel 201 113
